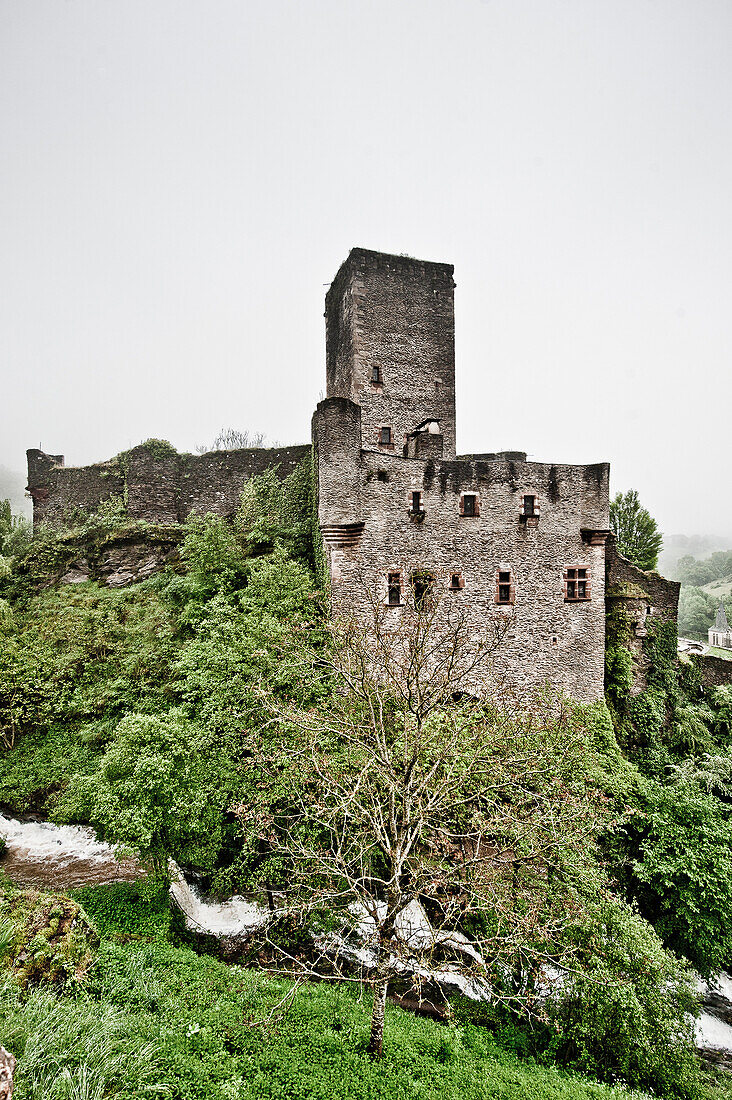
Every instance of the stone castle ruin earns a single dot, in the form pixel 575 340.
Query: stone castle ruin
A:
pixel 523 543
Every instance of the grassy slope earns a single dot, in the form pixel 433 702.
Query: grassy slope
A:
pixel 161 1020
pixel 153 1019
pixel 719 589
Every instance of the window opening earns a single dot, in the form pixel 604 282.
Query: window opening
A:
pixel 422 583
pixel 577 586
pixel 395 589
pixel 469 508
pixel 529 503
pixel 504 586
pixel 376 374
pixel 416 501
pixel 385 437
pixel 456 581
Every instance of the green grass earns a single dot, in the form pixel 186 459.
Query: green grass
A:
pixel 163 1021
pixel 720 589
pixel 725 654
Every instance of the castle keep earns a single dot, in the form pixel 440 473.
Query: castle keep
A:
pixel 520 543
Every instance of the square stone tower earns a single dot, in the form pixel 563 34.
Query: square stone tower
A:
pixel 390 348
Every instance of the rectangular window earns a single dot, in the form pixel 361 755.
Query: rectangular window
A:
pixel 395 589
pixel 456 581
pixel 576 583
pixel 469 505
pixel 385 437
pixel 529 506
pixel 416 502
pixel 422 584
pixel 376 374
pixel 505 587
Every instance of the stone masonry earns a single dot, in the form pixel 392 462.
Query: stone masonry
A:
pixel 523 542
pixel 157 484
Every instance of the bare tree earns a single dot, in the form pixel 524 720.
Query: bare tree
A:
pixel 231 439
pixel 430 817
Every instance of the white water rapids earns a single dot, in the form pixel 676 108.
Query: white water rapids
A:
pixel 63 857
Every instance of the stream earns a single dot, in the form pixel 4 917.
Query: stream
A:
pixel 66 857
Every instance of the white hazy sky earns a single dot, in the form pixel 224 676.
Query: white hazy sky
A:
pixel 179 179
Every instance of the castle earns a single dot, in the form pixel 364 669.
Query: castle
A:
pixel 524 543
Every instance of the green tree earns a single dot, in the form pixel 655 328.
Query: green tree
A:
pixel 696 611
pixel 679 847
pixel 636 530
pixel 160 791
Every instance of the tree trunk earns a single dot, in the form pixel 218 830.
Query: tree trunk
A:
pixel 376 1040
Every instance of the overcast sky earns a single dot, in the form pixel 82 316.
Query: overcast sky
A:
pixel 180 179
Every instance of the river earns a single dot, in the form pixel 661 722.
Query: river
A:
pixel 65 857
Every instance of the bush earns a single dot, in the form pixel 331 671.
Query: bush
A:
pixel 679 847
pixel 626 1010
pixel 129 910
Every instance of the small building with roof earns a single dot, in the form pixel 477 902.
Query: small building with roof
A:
pixel 720 635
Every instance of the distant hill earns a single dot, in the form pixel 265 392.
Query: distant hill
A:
pixel 12 488
pixel 676 547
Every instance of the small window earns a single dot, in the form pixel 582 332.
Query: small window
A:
pixel 385 437
pixel 416 502
pixel 395 589
pixel 576 584
pixel 469 504
pixel 422 584
pixel 456 582
pixel 529 506
pixel 505 587
pixel 376 374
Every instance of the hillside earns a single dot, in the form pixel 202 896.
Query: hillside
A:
pixel 201 715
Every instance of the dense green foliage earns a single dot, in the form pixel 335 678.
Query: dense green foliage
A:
pixel 704 583
pixel 698 610
pixel 696 573
pixel 672 850
pixel 162 1021
pixel 635 529
pixel 156 713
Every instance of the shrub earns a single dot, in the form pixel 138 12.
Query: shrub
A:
pixel 626 1010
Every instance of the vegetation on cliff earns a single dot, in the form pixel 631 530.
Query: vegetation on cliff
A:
pixel 181 717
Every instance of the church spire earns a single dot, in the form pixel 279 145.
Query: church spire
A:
pixel 721 623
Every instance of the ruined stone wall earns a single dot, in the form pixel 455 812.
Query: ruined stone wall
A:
pixel 397 314
pixel 715 671
pixel 642 599
pixel 548 638
pixel 157 484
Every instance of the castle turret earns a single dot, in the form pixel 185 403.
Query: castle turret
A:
pixel 390 341
pixel 337 444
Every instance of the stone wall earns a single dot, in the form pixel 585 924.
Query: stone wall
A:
pixel 396 314
pixel 158 485
pixel 642 599
pixel 548 638
pixel 715 671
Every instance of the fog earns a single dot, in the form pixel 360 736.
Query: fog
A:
pixel 180 181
